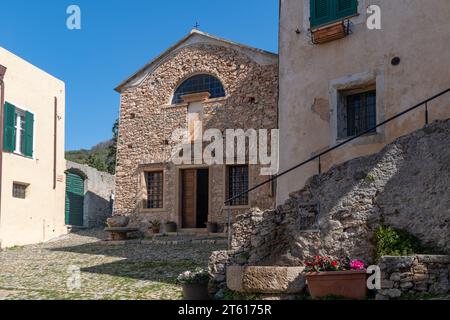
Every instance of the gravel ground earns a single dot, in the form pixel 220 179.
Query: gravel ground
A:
pixel 131 271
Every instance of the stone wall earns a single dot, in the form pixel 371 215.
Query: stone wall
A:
pixel 147 120
pixel 99 191
pixel 407 185
pixel 414 275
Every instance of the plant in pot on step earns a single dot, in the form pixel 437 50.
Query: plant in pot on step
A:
pixel 339 278
pixel 195 284
pixel 155 225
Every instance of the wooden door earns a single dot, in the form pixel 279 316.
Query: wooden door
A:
pixel 189 197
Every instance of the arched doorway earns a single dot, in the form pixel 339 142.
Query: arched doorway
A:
pixel 74 199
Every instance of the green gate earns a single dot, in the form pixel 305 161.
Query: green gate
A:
pixel 74 199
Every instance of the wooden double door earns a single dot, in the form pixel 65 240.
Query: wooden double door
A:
pixel 194 191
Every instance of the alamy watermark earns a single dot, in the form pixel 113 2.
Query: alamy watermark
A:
pixel 233 146
pixel 74 279
pixel 73 22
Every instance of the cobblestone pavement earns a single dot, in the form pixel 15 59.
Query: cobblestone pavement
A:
pixel 130 271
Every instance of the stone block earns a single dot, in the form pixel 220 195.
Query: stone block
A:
pixel 234 278
pixel 387 284
pixel 267 280
pixel 395 276
pixel 441 259
pixel 391 293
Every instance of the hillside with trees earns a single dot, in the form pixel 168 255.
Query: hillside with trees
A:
pixel 102 156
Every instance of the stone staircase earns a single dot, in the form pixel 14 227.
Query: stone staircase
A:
pixel 407 185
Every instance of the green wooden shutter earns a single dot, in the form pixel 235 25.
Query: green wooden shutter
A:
pixel 346 8
pixel 321 12
pixel 74 199
pixel 9 138
pixel 29 128
pixel 326 11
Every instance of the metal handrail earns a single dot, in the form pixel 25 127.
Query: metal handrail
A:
pixel 321 154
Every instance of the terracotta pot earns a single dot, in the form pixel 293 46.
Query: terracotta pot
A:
pixel 212 227
pixel 346 284
pixel 155 230
pixel 195 291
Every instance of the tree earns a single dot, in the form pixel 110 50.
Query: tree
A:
pixel 112 149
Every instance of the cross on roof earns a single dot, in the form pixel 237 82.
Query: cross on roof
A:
pixel 196 25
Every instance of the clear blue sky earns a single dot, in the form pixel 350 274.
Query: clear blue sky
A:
pixel 117 38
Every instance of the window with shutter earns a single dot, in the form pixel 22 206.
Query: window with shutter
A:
pixel 9 143
pixel 328 11
pixel 18 131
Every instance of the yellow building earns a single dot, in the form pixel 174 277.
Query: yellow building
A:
pixel 32 167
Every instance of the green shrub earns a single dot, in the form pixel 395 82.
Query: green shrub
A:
pixel 394 242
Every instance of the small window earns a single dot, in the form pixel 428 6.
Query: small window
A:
pixel 19 190
pixel 197 84
pixel 237 183
pixel 357 113
pixel 155 189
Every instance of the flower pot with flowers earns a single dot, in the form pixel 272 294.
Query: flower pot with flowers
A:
pixel 341 278
pixel 195 284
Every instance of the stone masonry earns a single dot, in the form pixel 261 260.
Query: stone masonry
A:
pixel 414 275
pixel 407 184
pixel 147 120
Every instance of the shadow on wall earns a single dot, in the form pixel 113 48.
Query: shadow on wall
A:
pixel 96 209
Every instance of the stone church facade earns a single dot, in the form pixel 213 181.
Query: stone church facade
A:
pixel 162 97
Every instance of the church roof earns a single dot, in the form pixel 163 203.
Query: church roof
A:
pixel 195 37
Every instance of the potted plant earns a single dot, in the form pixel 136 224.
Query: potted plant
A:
pixel 212 227
pixel 341 278
pixel 155 225
pixel 195 284
pixel 170 226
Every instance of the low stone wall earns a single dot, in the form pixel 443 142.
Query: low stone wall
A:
pixel 414 275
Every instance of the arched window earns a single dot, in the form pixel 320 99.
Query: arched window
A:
pixel 199 83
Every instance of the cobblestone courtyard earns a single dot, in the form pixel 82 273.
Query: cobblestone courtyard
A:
pixel 131 271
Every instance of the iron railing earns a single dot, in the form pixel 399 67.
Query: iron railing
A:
pixel 321 154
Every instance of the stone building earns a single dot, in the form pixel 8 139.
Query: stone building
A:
pixel 338 77
pixel 224 85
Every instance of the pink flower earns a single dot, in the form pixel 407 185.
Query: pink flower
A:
pixel 356 265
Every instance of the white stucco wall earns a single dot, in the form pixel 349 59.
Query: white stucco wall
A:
pixel 40 216
pixel 417 31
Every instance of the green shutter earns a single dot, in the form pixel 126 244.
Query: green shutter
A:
pixel 9 138
pixel 327 11
pixel 321 12
pixel 346 8
pixel 29 126
pixel 74 199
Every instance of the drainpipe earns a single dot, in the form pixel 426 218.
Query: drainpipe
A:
pixel 2 103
